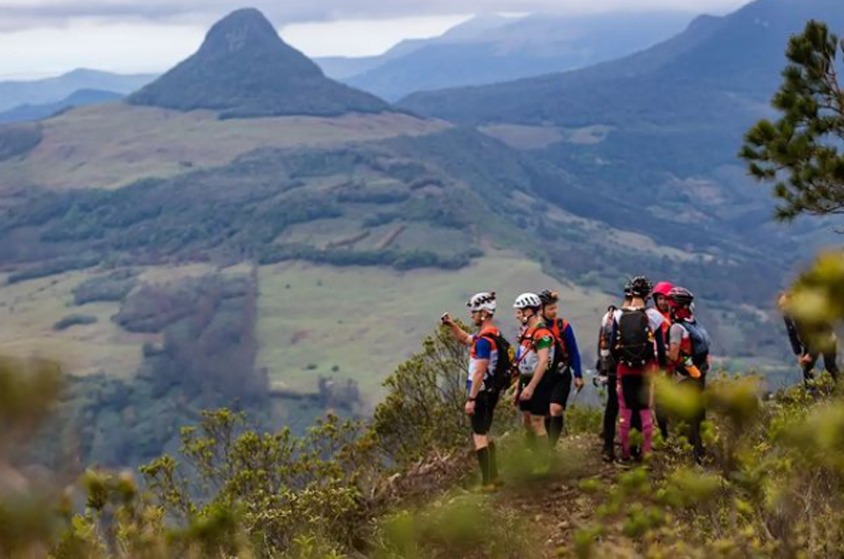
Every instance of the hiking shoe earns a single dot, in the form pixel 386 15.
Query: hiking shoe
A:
pixel 485 489
pixel 608 456
pixel 625 461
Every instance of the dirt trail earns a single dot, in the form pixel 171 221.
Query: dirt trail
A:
pixel 556 504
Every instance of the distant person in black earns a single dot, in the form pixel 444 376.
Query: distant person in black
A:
pixel 809 342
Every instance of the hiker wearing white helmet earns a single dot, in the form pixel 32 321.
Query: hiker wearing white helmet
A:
pixel 488 375
pixel 533 357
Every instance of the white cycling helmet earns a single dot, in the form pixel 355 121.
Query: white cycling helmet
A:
pixel 527 301
pixel 483 301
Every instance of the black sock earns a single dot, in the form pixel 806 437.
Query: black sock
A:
pixel 483 462
pixel 530 439
pixel 493 462
pixel 555 429
pixel 548 422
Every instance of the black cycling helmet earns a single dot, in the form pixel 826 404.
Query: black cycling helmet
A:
pixel 640 286
pixel 549 297
pixel 681 296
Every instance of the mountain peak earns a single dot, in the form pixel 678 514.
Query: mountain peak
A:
pixel 248 31
pixel 244 69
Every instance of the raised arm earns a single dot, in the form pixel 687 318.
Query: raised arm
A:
pixel 457 332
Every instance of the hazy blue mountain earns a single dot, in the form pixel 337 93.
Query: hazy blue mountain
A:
pixel 730 63
pixel 660 130
pixel 494 49
pixel 50 90
pixel 345 67
pixel 676 110
pixel 243 68
pixel 76 99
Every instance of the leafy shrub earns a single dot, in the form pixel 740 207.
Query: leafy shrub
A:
pixel 74 320
pixel 55 266
pixel 113 287
pixel 424 404
pixel 373 196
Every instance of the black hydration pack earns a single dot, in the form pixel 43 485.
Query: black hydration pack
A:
pixel 501 376
pixel 634 342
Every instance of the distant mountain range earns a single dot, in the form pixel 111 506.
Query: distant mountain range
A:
pixel 494 49
pixel 78 98
pixel 51 90
pixel 485 49
pixel 666 123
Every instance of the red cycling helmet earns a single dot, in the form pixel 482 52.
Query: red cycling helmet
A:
pixel 663 288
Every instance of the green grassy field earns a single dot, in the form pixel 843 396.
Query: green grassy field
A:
pixel 108 146
pixel 28 311
pixel 365 321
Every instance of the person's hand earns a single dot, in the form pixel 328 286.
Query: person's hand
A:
pixel 446 319
pixel 578 383
pixel 804 359
pixel 527 393
pixel 469 407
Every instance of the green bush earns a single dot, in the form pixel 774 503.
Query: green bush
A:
pixel 74 320
pixel 55 266
pixel 113 287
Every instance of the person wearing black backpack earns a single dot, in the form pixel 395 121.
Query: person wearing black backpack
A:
pixel 638 349
pixel 567 361
pixel 689 353
pixel 489 374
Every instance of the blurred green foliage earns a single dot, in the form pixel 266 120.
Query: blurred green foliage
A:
pixel 771 484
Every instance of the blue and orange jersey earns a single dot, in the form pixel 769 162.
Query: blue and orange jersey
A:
pixel 483 349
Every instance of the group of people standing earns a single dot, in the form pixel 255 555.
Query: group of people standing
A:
pixel 635 342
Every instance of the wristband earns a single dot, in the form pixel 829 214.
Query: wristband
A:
pixel 471 399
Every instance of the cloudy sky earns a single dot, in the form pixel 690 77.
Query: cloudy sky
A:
pixel 47 37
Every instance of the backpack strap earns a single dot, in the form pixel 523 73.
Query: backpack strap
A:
pixel 491 336
pixel 562 326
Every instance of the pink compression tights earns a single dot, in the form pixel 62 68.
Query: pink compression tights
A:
pixel 625 419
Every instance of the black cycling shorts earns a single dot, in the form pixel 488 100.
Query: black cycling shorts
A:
pixel 562 389
pixel 484 410
pixel 540 403
pixel 635 392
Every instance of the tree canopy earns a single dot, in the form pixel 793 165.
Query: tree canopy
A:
pixel 801 152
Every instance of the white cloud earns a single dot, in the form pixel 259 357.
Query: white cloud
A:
pixel 125 47
pixel 46 37
pixel 150 47
pixel 364 37
pixel 17 14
